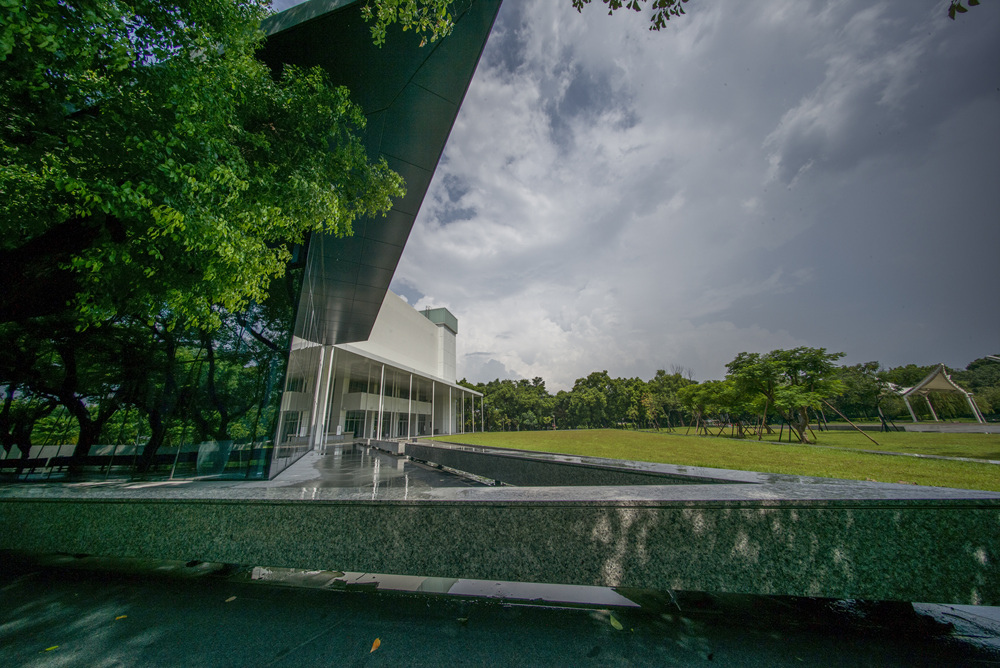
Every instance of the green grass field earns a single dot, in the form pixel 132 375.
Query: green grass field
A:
pixel 751 455
pixel 976 446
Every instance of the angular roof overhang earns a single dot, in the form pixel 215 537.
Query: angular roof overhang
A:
pixel 411 96
pixel 937 380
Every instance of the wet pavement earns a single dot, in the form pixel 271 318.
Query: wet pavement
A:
pixel 358 466
pixel 75 611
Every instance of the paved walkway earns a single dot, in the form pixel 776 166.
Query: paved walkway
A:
pixel 65 611
pixel 952 427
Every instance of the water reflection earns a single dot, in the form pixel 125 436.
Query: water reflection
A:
pixel 356 466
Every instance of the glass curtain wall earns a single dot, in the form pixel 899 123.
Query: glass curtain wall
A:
pixel 145 399
pixel 411 405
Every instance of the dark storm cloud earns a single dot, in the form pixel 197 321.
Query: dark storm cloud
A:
pixel 882 95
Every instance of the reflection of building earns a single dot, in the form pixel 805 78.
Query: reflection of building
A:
pixel 399 383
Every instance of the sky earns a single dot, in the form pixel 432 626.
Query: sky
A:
pixel 755 176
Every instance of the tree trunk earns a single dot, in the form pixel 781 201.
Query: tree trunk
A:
pixel 801 423
pixel 158 429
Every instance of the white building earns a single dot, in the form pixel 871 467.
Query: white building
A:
pixel 400 383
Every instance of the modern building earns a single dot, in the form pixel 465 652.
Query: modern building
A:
pixel 363 363
pixel 399 383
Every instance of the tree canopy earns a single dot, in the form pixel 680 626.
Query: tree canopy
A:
pixel 151 165
pixel 155 180
pixel 791 381
pixel 434 20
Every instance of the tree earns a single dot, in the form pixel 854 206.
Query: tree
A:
pixel 588 407
pixel 664 388
pixel 662 10
pixel 149 164
pixel 956 7
pixel 703 400
pixel 863 389
pixel 434 17
pixel 421 16
pixel 908 375
pixel 792 381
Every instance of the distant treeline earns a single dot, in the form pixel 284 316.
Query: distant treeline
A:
pixel 859 392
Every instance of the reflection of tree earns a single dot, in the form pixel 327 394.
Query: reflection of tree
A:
pixel 23 405
pixel 170 369
pixel 19 416
pixel 48 362
pixel 145 382
pixel 238 362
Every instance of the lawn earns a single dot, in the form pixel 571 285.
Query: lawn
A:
pixel 976 446
pixel 751 455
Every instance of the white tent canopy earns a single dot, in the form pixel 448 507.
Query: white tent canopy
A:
pixel 938 380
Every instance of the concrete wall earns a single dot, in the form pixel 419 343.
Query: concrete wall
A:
pixel 447 354
pixel 403 335
pixel 530 471
pixel 929 551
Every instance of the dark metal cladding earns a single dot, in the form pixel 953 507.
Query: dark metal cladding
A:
pixel 411 96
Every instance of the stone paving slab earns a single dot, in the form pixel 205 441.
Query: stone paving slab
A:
pixel 56 613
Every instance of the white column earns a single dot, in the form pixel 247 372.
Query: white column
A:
pixel 365 431
pixel 974 407
pixel 910 408
pixel 433 388
pixel 324 414
pixel 451 409
pixel 927 398
pixel 381 403
pixel 393 420
pixel 409 409
pixel 320 395
pixel 317 384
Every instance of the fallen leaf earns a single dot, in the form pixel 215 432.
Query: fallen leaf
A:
pixel 615 623
pixel 230 599
pixel 120 617
pixel 375 645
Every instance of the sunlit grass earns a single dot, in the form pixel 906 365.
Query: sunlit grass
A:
pixel 976 446
pixel 751 455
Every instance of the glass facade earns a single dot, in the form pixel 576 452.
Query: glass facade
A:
pixel 131 398
pixel 358 397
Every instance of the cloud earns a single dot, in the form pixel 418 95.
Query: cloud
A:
pixel 612 198
pixel 481 366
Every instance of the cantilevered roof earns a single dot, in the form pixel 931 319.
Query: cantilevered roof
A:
pixel 411 96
